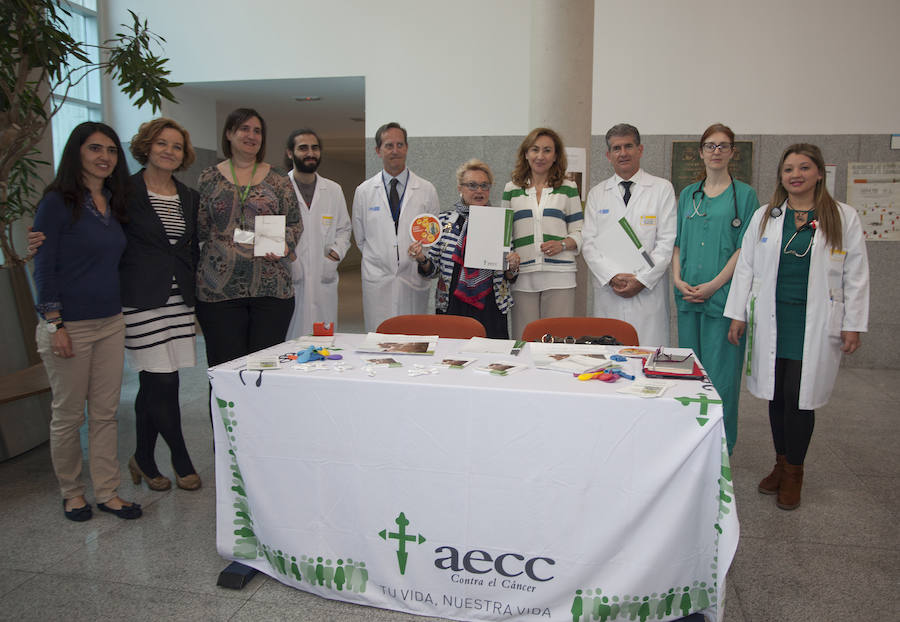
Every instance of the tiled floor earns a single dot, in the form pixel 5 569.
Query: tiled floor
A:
pixel 836 558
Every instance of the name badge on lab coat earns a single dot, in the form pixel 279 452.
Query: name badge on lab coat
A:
pixel 648 220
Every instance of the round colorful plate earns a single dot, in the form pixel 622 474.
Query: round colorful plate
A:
pixel 425 228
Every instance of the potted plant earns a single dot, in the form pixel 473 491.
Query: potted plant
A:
pixel 40 62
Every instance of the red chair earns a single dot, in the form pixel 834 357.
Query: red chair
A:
pixel 581 326
pixel 449 326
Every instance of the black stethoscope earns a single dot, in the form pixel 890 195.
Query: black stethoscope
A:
pixel 776 211
pixel 736 222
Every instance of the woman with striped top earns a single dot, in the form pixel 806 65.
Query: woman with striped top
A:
pixel 158 281
pixel 546 229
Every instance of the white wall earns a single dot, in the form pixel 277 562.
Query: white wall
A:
pixel 195 112
pixel 440 68
pixel 762 67
pixel 462 68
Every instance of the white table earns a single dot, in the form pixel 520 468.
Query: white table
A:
pixel 471 496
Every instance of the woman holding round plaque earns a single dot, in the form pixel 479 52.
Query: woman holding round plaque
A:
pixel 546 229
pixel 801 292
pixel 713 214
pixel 476 293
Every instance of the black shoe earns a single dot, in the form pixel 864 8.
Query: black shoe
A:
pixel 128 512
pixel 79 515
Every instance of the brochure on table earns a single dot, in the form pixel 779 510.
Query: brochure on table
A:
pixel 483 345
pixel 569 357
pixel 488 238
pixel 399 344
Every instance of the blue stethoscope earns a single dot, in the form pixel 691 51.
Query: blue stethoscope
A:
pixel 736 222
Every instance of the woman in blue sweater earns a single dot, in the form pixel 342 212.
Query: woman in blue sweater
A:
pixel 81 339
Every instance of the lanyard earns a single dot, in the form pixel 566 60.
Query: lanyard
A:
pixel 242 194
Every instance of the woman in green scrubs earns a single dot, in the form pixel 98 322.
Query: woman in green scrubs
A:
pixel 712 216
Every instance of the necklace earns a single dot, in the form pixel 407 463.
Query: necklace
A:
pixel 800 211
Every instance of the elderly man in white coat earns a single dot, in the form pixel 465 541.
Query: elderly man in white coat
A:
pixel 384 207
pixel 325 239
pixel 639 297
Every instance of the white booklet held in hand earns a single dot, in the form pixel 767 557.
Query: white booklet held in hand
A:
pixel 269 235
pixel 488 238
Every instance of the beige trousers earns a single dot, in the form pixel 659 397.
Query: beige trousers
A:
pixel 92 376
pixel 531 306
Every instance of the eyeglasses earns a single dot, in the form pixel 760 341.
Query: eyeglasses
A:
pixel 723 147
pixel 667 357
pixel 471 185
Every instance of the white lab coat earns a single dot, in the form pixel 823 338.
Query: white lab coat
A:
pixel 326 227
pixel 652 213
pixel 837 299
pixel 391 283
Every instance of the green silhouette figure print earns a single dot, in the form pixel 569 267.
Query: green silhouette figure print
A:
pixel 348 576
pixel 577 606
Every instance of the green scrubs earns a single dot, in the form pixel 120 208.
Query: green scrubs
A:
pixel 706 241
pixel 791 287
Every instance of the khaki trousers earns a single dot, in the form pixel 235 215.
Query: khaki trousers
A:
pixel 531 306
pixel 92 376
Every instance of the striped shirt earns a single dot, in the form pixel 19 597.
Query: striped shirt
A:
pixel 161 340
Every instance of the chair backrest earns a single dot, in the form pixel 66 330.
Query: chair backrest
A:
pixel 449 326
pixel 581 326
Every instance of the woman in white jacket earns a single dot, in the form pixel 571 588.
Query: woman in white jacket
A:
pixel 801 291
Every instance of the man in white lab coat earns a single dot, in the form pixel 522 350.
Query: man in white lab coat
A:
pixel 639 297
pixel 384 207
pixel 325 239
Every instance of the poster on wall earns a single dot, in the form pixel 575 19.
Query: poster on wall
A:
pixel 873 188
pixel 577 165
pixel 687 167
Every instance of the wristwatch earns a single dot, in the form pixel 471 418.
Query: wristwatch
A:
pixel 564 245
pixel 54 325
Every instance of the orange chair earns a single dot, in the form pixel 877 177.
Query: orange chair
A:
pixel 581 326
pixel 449 326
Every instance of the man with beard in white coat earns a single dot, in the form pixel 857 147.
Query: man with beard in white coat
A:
pixel 640 298
pixel 384 207
pixel 325 239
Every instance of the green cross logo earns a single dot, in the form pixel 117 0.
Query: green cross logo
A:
pixel 704 405
pixel 402 538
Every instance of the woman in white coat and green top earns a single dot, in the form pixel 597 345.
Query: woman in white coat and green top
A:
pixel 801 291
pixel 546 230
pixel 713 214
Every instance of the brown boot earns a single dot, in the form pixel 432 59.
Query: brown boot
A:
pixel 770 483
pixel 791 482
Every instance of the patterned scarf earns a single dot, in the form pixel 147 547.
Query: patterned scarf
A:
pixel 474 284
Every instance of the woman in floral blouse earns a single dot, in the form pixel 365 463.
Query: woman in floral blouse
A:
pixel 244 303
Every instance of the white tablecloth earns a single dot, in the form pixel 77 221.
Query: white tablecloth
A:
pixel 475 497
